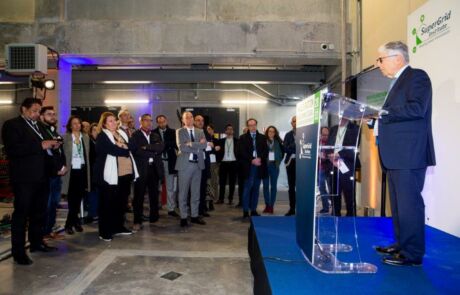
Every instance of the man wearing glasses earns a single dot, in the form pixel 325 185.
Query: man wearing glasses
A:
pixel 406 149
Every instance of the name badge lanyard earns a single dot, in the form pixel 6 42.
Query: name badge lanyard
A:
pixel 79 149
pixel 35 130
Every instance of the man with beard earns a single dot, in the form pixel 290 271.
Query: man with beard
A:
pixel 49 119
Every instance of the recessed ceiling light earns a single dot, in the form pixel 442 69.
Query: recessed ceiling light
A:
pixel 243 101
pixel 126 101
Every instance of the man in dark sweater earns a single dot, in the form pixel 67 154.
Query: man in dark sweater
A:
pixel 49 119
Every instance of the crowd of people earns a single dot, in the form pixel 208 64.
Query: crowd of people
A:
pixel 105 163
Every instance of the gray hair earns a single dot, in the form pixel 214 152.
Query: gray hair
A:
pixel 396 47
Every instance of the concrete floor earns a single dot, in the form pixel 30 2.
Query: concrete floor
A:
pixel 210 259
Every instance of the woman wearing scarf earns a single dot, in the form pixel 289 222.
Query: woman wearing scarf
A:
pixel 114 170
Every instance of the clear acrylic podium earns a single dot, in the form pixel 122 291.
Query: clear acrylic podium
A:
pixel 337 163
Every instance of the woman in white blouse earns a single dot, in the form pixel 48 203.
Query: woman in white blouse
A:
pixel 76 183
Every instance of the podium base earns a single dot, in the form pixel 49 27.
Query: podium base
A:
pixel 325 261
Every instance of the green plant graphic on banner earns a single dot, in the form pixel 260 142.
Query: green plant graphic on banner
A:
pixel 418 40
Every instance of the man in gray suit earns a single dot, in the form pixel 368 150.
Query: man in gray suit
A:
pixel 190 161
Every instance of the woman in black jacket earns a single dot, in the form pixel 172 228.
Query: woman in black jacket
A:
pixel 76 183
pixel 114 170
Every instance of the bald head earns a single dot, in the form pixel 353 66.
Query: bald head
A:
pixel 294 122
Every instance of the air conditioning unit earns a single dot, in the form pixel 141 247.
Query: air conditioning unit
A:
pixel 26 59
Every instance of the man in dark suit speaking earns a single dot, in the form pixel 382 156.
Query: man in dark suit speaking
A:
pixel 406 149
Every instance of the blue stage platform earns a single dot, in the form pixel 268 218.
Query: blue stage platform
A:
pixel 279 267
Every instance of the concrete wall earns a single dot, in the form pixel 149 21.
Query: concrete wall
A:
pixel 384 21
pixel 256 29
pixel 17 11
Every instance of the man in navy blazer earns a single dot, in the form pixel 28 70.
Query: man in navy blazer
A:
pixel 406 149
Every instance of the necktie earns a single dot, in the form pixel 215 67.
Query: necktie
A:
pixel 34 124
pixel 254 144
pixel 164 154
pixel 195 156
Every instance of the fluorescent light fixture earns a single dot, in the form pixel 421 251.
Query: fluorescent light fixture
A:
pixel 244 82
pixel 243 101
pixel 6 83
pixel 140 67
pixel 126 101
pixel 126 82
pixel 6 101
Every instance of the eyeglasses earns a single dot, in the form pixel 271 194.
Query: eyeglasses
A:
pixel 380 59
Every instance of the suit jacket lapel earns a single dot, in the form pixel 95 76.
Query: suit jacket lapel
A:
pixel 401 78
pixel 31 132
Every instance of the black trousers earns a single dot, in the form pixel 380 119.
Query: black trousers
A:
pixel 203 208
pixel 124 190
pixel 290 170
pixel 227 170
pixel 342 184
pixel 146 182
pixel 408 211
pixel 30 205
pixel 75 194
pixel 112 205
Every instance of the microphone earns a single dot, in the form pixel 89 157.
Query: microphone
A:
pixel 364 71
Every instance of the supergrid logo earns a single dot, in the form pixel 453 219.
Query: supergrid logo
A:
pixel 429 31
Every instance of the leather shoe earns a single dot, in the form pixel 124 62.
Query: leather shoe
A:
pixel 389 250
pixel 205 214
pixel 254 213
pixel 69 231
pixel 211 206
pixel 78 228
pixel 23 259
pixel 400 260
pixel 184 222
pixel 197 220
pixel 290 213
pixel 42 248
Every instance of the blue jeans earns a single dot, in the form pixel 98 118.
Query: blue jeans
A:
pixel 251 190
pixel 270 184
pixel 93 202
pixel 322 189
pixel 53 202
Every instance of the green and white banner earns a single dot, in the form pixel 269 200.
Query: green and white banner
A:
pixel 433 37
pixel 308 114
